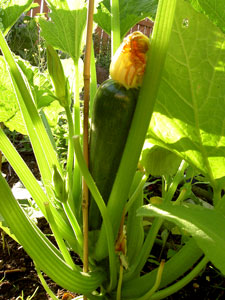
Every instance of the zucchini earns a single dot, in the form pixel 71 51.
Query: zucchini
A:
pixel 113 110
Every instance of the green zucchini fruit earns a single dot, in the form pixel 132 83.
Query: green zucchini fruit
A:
pixel 113 110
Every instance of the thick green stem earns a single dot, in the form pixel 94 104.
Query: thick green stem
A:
pixel 173 269
pixel 38 249
pixel 70 158
pixel 157 223
pixel 44 284
pixel 136 193
pixel 74 224
pixel 115 26
pixel 145 250
pixel 181 283
pixel 93 83
pixel 155 287
pixel 75 202
pixel 176 180
pixel 36 130
pixel 101 205
pixel 76 101
pixel 31 184
pixel 58 237
pixel 141 120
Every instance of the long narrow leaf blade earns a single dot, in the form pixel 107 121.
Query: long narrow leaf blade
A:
pixel 34 124
pixel 31 184
pixel 44 256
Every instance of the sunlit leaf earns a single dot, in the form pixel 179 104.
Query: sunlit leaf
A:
pixel 9 110
pixel 189 113
pixel 205 225
pixel 131 12
pixel 11 10
pixel 65 30
pixel 213 9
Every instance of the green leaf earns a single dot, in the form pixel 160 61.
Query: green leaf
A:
pixel 159 161
pixel 39 82
pixel 69 70
pixel 41 250
pixel 6 229
pixel 131 12
pixel 65 30
pixel 189 112
pixel 205 225
pixel 11 11
pixel 213 9
pixel 9 110
pixel 52 113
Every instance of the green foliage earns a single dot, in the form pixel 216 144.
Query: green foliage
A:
pixel 24 40
pixel 28 297
pixel 188 117
pixel 130 14
pixel 187 123
pixel 213 9
pixel 195 220
pixel 9 110
pixel 65 27
pixel 10 11
pixel 158 161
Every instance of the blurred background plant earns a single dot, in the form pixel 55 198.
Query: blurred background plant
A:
pixel 24 40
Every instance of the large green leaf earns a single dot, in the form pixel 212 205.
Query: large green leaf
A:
pixel 11 10
pixel 131 12
pixel 39 82
pixel 205 225
pixel 65 30
pixel 213 9
pixel 189 113
pixel 9 110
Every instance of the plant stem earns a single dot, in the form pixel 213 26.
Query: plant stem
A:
pixel 102 207
pixel 93 84
pixel 115 26
pixel 176 180
pixel 136 193
pixel 75 200
pixel 120 281
pixel 1 126
pixel 87 60
pixel 174 268
pixel 181 283
pixel 145 250
pixel 44 283
pixel 58 236
pixel 70 149
pixel 74 224
pixel 148 295
pixel 157 223
pixel 141 119
pixel 76 100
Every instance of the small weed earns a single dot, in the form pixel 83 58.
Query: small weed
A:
pixel 28 297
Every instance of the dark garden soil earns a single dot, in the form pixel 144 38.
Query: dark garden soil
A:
pixel 18 275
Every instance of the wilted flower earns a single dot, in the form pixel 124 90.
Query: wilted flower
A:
pixel 128 63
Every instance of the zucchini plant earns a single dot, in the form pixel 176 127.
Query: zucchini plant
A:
pixel 161 117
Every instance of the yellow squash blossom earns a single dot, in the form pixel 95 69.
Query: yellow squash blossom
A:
pixel 128 63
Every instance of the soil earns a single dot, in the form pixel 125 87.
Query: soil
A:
pixel 18 272
pixel 18 276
